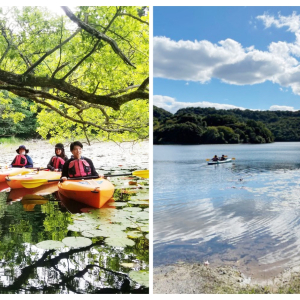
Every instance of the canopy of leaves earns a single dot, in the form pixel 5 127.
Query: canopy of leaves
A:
pixel 86 71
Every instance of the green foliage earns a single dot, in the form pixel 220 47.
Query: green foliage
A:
pixel 87 64
pixel 209 126
pixel 16 118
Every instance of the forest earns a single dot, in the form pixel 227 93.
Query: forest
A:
pixel 195 125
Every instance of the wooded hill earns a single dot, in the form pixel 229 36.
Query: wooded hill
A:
pixel 195 125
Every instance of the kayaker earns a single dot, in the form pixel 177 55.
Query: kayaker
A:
pixel 77 165
pixel 22 159
pixel 223 157
pixel 215 158
pixel 57 162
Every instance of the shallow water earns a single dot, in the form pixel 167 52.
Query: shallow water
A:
pixel 244 213
pixel 111 250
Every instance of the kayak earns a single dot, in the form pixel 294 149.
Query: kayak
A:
pixel 218 162
pixel 93 192
pixel 18 194
pixel 75 207
pixel 15 182
pixel 12 172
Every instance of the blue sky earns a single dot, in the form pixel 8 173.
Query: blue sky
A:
pixel 226 57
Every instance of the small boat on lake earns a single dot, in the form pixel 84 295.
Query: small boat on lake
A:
pixel 218 162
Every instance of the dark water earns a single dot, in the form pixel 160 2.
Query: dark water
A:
pixel 117 266
pixel 244 213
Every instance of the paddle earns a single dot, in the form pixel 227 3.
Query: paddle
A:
pixel 31 184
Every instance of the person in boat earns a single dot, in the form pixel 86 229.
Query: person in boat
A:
pixel 22 159
pixel 223 157
pixel 57 162
pixel 215 158
pixel 78 165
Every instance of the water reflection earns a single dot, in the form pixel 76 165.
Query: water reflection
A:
pixel 28 217
pixel 245 213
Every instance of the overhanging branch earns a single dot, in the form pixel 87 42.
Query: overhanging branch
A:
pixel 98 35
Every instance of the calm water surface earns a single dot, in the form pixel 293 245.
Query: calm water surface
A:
pixel 112 250
pixel 245 213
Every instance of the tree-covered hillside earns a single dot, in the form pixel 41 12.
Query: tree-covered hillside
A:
pixel 195 125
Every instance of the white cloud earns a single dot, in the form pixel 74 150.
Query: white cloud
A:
pixel 229 61
pixel 279 107
pixel 172 105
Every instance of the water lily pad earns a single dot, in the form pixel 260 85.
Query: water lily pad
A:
pixel 134 234
pixel 137 202
pixel 50 244
pixel 119 242
pixel 77 242
pixel 127 265
pixel 146 209
pixel 141 277
pixel 93 233
pixel 132 209
pixel 142 215
pixel 140 196
pixel 117 203
pixel 145 228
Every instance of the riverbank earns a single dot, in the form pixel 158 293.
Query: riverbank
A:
pixel 184 278
pixel 105 155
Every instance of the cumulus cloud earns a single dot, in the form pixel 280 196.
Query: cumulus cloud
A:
pixel 279 107
pixel 229 61
pixel 172 105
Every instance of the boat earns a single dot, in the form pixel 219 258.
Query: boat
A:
pixel 15 182
pixel 12 172
pixel 93 192
pixel 218 162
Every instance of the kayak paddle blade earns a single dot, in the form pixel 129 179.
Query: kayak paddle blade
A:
pixel 31 184
pixel 141 173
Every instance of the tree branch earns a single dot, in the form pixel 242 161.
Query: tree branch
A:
pixel 134 17
pixel 79 121
pixel 50 52
pixel 81 61
pixel 97 34
pixel 35 81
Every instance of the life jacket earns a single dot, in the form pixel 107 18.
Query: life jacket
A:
pixel 57 162
pixel 79 168
pixel 20 160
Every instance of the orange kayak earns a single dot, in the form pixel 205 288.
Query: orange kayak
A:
pixel 93 192
pixel 15 182
pixel 12 172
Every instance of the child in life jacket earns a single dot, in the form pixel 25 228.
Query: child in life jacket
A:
pixel 77 165
pixel 57 162
pixel 22 159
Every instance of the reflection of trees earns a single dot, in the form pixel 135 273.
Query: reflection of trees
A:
pixel 93 269
pixel 68 280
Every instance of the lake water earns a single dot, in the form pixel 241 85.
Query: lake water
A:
pixel 245 213
pixel 90 251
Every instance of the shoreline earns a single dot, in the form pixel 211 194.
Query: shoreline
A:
pixel 196 278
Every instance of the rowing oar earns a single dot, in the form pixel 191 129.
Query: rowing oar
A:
pixel 31 184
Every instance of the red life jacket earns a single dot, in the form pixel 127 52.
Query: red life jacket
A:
pixel 20 160
pixel 79 168
pixel 57 162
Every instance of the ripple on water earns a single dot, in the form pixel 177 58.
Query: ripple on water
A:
pixel 248 209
